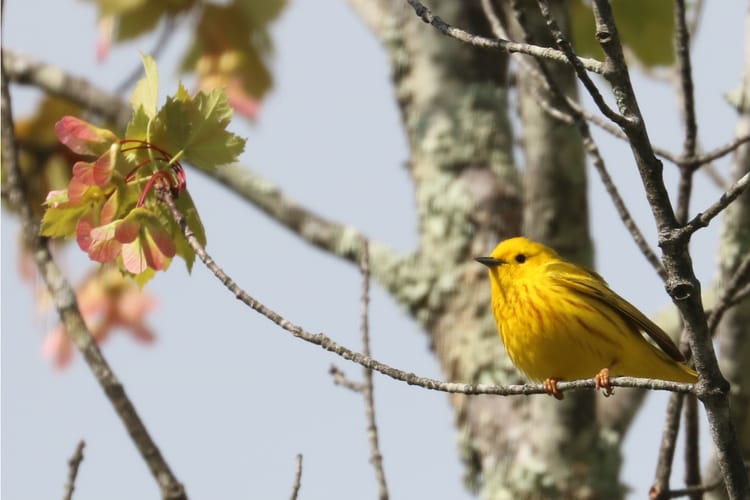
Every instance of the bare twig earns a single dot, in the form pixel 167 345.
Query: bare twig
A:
pixel 66 304
pixel 717 153
pixel 55 81
pixel 376 458
pixel 685 72
pixel 497 43
pixel 73 464
pixel 330 345
pixel 572 113
pixel 692 445
pixel 342 240
pixel 297 478
pixel 733 293
pixel 694 490
pixel 659 490
pixel 340 378
pixel 705 217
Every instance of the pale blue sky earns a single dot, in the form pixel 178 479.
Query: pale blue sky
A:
pixel 230 398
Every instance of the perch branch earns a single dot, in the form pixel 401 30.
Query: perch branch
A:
pixel 330 345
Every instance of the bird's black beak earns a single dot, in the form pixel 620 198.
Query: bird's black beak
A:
pixel 490 261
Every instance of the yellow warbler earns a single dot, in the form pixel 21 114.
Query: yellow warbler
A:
pixel 560 321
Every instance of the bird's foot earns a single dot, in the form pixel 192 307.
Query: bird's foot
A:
pixel 550 387
pixel 602 382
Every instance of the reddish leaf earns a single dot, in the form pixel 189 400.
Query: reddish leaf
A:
pixel 159 248
pixel 127 231
pixel 103 167
pixel 104 247
pixel 109 209
pixel 133 258
pixel 82 137
pixel 83 231
pixel 83 172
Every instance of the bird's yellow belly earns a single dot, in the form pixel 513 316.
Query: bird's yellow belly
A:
pixel 560 345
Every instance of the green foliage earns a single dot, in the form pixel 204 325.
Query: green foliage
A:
pixel 111 204
pixel 646 28
pixel 146 92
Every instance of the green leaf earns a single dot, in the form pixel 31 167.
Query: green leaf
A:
pixel 61 222
pixel 197 128
pixel 146 92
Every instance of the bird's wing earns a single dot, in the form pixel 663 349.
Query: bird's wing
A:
pixel 590 284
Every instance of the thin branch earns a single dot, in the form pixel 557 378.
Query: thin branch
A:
pixel 330 345
pixel 498 43
pixel 167 31
pixel 376 458
pixel 693 490
pixel 692 162
pixel 717 153
pixel 572 114
pixel 339 239
pixel 687 95
pixel 73 464
pixel 733 293
pixel 659 490
pixel 340 378
pixel 66 304
pixel 741 295
pixel 297 478
pixel 692 445
pixel 685 70
pixel 622 211
pixel 54 81
pixel 705 217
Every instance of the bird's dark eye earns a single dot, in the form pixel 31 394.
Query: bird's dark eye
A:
pixel 520 258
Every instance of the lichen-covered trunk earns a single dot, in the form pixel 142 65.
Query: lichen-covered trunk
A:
pixel 734 330
pixel 469 196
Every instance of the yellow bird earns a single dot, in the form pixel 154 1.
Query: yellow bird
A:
pixel 560 321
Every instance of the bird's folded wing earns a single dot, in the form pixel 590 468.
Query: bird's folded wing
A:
pixel 592 285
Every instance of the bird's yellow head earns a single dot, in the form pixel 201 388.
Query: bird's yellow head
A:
pixel 516 257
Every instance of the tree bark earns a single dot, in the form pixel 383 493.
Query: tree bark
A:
pixel 733 333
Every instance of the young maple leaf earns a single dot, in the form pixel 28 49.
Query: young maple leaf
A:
pixel 83 138
pixel 111 203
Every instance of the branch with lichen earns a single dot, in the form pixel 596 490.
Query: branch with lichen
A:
pixel 339 239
